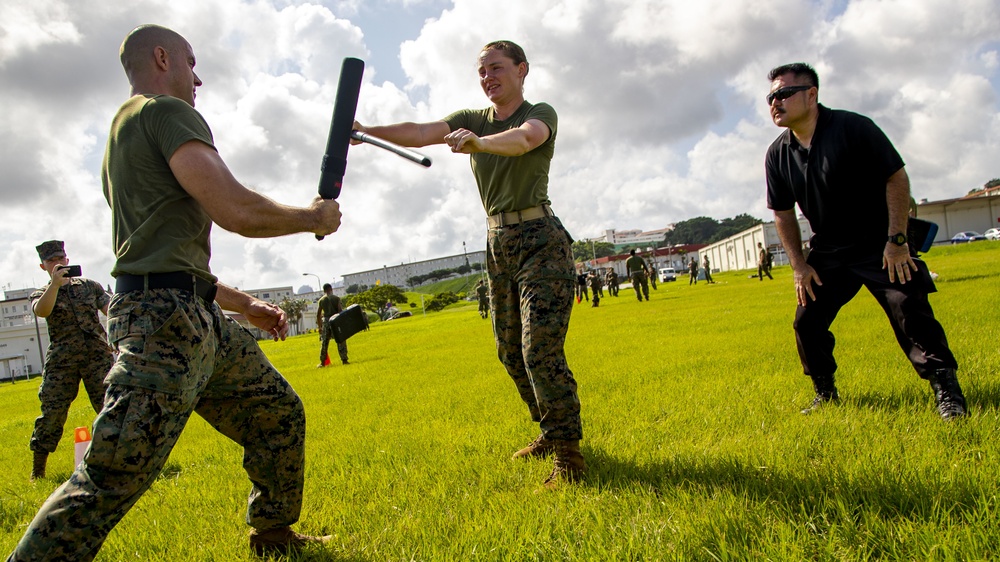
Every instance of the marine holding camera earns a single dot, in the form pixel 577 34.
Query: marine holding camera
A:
pixel 78 347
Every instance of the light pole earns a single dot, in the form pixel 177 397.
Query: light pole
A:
pixel 319 282
pixel 465 254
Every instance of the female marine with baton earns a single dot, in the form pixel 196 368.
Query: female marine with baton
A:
pixel 529 260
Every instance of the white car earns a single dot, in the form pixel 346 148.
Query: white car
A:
pixel 668 274
pixel 992 234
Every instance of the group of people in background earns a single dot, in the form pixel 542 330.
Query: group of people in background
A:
pixel 178 354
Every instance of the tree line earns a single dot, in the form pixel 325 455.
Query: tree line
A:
pixel 699 230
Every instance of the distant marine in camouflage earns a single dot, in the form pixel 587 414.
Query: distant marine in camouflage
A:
pixel 78 349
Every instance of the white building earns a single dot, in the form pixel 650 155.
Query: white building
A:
pixel 398 274
pixel 976 212
pixel 634 237
pixel 740 251
pixel 23 341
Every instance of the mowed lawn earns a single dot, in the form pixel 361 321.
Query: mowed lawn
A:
pixel 696 446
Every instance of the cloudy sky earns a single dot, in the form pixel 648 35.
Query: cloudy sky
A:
pixel 660 103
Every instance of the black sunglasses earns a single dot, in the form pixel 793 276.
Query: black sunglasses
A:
pixel 784 93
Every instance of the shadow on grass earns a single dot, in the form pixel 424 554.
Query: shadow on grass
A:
pixel 910 398
pixel 984 395
pixel 822 495
pixel 322 555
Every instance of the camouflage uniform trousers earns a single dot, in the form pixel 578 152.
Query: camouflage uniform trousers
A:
pixel 66 365
pixel 596 289
pixel 325 345
pixel 531 275
pixel 484 308
pixel 640 285
pixel 177 356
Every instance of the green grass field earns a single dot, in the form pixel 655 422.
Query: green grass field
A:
pixel 696 447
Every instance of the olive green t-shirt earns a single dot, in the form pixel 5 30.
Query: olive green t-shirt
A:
pixel 73 323
pixel 156 226
pixel 635 264
pixel 329 305
pixel 510 183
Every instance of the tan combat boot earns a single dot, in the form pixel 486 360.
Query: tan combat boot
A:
pixel 282 541
pixel 38 465
pixel 540 447
pixel 569 464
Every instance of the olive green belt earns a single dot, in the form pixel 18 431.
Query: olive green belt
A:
pixel 516 217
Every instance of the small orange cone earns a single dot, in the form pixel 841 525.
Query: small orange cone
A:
pixel 82 438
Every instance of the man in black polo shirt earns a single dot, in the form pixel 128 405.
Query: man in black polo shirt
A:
pixel 849 181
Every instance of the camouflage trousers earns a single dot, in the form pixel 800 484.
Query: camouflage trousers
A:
pixel 640 285
pixel 531 275
pixel 176 356
pixel 325 345
pixel 65 367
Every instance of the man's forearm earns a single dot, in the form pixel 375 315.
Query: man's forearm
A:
pixel 261 217
pixel 791 237
pixel 45 303
pixel 897 198
pixel 231 299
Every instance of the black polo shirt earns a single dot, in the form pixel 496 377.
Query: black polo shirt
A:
pixel 839 183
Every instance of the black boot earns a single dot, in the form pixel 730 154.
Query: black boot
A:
pixel 826 391
pixel 947 393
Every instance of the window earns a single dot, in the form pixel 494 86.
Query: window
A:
pixel 266 295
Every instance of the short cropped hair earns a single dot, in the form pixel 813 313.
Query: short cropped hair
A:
pixel 327 287
pixel 799 69
pixel 510 50
pixel 140 42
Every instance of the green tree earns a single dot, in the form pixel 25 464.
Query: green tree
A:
pixel 441 300
pixel 734 226
pixel 698 230
pixel 352 289
pixel 583 251
pixel 293 310
pixel 374 299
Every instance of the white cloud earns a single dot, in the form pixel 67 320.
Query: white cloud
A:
pixel 660 108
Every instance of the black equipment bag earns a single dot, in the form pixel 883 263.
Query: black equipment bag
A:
pixel 349 322
pixel 920 234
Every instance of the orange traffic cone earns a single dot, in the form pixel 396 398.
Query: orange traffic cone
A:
pixel 82 437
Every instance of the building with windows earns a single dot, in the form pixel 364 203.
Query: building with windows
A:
pixel 397 275
pixel 979 212
pixel 634 237
pixel 23 337
pixel 740 250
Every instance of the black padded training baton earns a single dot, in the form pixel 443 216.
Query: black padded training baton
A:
pixel 331 176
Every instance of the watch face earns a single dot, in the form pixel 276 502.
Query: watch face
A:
pixel 898 239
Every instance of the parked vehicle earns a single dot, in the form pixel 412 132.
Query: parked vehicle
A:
pixel 992 234
pixel 668 274
pixel 967 236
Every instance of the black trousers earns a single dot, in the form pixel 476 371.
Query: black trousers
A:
pixel 919 334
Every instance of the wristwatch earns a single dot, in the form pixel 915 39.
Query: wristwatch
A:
pixel 898 239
